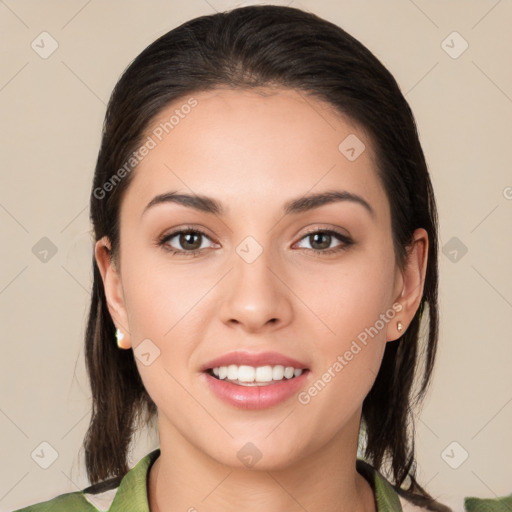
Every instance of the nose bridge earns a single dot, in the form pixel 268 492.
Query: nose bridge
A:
pixel 255 294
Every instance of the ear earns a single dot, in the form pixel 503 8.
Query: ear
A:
pixel 409 284
pixel 113 287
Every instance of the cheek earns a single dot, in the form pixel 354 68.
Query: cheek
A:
pixel 354 306
pixel 158 293
pixel 348 354
pixel 160 307
pixel 348 296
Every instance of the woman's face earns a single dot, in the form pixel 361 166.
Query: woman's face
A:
pixel 255 282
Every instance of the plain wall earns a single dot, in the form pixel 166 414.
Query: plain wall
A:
pixel 51 118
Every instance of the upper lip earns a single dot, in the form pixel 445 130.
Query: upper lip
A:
pixel 253 359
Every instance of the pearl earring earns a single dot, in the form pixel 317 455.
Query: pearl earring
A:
pixel 399 326
pixel 119 337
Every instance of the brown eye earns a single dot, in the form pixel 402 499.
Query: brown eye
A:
pixel 189 240
pixel 321 240
pixel 186 242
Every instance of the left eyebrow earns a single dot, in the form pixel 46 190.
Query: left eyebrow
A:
pixel 302 204
pixel 198 202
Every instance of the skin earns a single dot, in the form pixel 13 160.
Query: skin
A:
pixel 253 151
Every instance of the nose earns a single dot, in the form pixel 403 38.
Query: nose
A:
pixel 255 295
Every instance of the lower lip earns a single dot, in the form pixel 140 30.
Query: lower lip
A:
pixel 256 397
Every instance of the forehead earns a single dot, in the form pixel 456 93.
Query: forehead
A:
pixel 261 145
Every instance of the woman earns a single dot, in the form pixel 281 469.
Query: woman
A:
pixel 266 252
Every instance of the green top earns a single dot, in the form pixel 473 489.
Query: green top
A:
pixel 129 493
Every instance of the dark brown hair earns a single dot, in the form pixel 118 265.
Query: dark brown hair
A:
pixel 250 47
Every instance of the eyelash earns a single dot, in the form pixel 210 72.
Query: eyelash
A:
pixel 347 242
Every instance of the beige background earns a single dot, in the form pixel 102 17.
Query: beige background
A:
pixel 52 111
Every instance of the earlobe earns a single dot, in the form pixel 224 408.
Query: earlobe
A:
pixel 413 280
pixel 113 287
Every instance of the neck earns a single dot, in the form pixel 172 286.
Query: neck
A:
pixel 185 478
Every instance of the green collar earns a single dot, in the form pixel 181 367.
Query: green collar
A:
pixel 386 497
pixel 133 488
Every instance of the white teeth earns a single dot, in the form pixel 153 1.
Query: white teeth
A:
pixel 262 374
pixel 248 374
pixel 245 373
pixel 232 372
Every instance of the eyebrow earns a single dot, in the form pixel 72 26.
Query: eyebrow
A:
pixel 302 204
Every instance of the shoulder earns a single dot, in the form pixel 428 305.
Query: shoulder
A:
pixel 75 501
pixel 111 495
pixel 499 504
pixel 96 498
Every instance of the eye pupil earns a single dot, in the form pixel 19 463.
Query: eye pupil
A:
pixel 319 235
pixel 186 243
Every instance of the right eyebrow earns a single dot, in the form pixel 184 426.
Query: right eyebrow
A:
pixel 312 201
